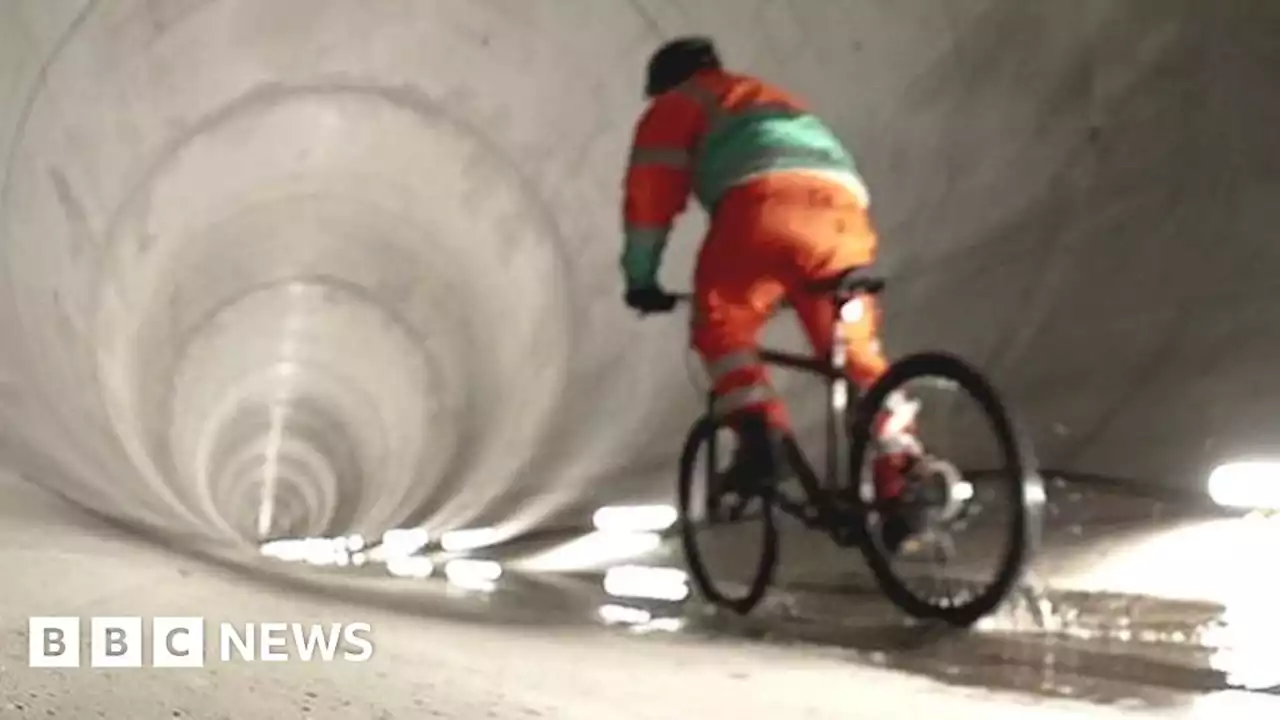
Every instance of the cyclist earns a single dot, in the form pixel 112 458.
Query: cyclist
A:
pixel 787 207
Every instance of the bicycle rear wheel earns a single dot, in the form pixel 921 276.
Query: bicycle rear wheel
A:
pixel 1016 483
pixel 702 514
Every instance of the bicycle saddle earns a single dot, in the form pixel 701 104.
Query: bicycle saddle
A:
pixel 854 281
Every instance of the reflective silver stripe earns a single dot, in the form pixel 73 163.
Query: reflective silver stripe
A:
pixel 648 235
pixel 766 160
pixel 704 97
pixel 741 398
pixel 849 180
pixel 677 158
pixel 733 362
pixel 710 105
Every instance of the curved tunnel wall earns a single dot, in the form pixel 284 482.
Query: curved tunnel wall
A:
pixel 369 251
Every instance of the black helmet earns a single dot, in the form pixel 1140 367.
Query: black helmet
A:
pixel 677 61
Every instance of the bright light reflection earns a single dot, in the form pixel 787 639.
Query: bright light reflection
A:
pixel 473 574
pixel 634 518
pixel 1253 484
pixel 473 539
pixel 638 619
pixel 320 551
pixel 624 615
pixel 400 542
pixel 416 567
pixel 593 550
pixel 656 583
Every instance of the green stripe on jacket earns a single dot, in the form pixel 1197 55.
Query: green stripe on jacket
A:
pixel 757 142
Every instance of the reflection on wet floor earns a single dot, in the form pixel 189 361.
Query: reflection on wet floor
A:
pixel 647 582
pixel 594 550
pixel 1060 635
pixel 471 574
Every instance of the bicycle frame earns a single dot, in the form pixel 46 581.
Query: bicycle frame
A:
pixel 835 504
pixel 840 393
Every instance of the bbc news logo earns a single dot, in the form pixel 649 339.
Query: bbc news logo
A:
pixel 180 642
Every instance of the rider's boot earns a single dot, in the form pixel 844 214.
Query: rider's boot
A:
pixel 900 452
pixel 755 460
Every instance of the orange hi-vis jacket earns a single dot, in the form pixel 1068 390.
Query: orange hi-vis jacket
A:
pixel 712 133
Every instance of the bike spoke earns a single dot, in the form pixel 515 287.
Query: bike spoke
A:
pixel 980 510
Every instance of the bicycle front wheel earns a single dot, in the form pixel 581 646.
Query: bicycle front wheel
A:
pixel 716 533
pixel 955 499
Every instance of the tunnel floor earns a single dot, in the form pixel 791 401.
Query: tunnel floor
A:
pixel 1155 608
pixel 1058 640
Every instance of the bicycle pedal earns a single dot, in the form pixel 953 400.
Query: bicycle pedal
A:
pixel 912 546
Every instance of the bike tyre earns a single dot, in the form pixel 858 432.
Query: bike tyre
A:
pixel 1025 493
pixel 699 436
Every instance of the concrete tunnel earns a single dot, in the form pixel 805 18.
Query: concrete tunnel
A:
pixel 366 253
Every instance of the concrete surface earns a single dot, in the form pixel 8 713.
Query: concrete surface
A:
pixel 424 223
pixel 360 258
pixel 529 653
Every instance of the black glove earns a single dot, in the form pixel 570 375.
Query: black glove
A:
pixel 648 300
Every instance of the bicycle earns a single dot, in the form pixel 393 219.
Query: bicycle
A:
pixel 835 502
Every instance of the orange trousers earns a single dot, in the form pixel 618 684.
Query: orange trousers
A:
pixel 769 239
